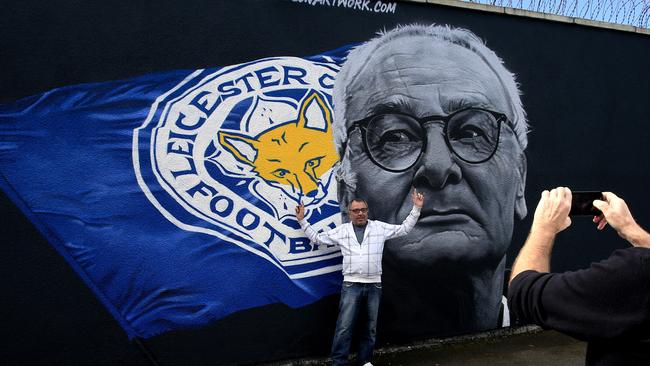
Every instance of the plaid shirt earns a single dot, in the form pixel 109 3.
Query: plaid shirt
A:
pixel 362 262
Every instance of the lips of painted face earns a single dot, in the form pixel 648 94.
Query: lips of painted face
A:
pixel 469 210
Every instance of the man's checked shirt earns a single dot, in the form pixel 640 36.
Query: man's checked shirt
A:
pixel 362 261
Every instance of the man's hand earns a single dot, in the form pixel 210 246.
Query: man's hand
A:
pixel 551 217
pixel 552 213
pixel 617 214
pixel 418 198
pixel 300 211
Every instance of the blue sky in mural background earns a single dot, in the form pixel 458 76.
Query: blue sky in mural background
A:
pixel 157 224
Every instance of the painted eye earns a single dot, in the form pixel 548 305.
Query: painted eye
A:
pixel 469 132
pixel 313 163
pixel 397 137
pixel 280 173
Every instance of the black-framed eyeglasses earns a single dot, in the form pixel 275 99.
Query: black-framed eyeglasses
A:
pixel 357 211
pixel 396 141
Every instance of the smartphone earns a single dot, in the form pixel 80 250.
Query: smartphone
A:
pixel 582 203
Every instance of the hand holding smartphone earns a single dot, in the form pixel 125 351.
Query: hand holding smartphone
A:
pixel 582 203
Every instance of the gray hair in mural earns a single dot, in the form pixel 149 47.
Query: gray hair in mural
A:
pixel 432 107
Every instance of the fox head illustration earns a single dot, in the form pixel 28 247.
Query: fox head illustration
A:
pixel 295 154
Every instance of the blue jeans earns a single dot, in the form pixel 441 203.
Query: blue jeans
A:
pixel 356 299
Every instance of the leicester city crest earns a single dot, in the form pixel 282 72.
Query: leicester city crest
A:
pixel 230 152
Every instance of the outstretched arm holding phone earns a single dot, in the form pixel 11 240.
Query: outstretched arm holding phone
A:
pixel 551 217
pixel 606 304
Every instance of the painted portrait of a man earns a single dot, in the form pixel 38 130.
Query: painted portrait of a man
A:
pixel 432 107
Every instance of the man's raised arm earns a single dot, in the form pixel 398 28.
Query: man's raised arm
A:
pixel 551 217
pixel 324 238
pixel 409 222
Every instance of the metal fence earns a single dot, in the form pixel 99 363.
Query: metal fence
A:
pixel 630 12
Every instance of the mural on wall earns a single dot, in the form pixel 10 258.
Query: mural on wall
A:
pixel 435 109
pixel 172 194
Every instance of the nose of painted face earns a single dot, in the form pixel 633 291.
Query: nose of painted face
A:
pixel 437 167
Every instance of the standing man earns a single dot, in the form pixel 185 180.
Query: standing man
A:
pixel 362 245
pixel 607 304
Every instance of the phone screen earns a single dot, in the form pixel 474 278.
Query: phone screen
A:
pixel 582 203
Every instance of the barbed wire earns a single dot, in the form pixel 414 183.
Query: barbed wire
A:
pixel 629 12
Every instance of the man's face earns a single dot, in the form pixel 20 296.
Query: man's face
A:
pixel 469 209
pixel 358 212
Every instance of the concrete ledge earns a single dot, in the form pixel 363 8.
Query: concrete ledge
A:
pixel 533 14
pixel 594 23
pixel 643 30
pixel 467 5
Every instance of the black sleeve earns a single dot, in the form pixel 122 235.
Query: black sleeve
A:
pixel 608 300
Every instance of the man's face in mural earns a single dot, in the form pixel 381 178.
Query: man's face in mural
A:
pixel 470 207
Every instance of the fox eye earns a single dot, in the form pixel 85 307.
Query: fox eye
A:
pixel 280 173
pixel 313 163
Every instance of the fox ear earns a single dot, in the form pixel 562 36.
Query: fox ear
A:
pixel 315 113
pixel 241 147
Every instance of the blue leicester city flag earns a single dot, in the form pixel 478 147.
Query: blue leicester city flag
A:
pixel 172 195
